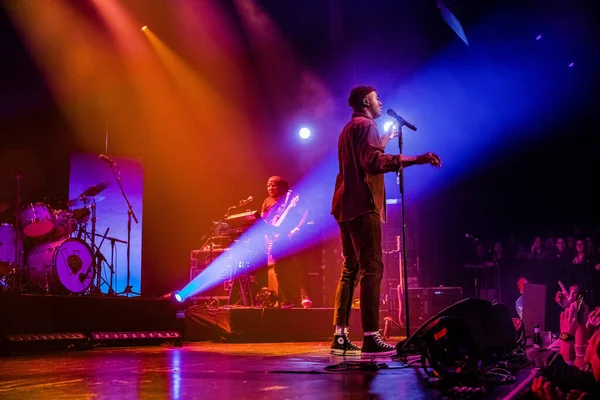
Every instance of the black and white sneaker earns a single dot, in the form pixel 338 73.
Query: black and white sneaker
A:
pixel 343 346
pixel 373 345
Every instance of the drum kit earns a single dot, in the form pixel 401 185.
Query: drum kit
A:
pixel 61 255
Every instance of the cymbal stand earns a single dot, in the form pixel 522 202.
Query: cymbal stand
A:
pixel 112 265
pixel 93 241
pixel 101 258
pixel 96 266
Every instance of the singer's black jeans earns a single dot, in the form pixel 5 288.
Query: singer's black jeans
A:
pixel 361 247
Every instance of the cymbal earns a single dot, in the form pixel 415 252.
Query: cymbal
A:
pixel 82 202
pixel 94 190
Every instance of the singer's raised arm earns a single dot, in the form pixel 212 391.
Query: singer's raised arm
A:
pixel 373 158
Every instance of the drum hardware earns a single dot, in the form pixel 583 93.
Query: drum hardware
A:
pixel 81 215
pixel 111 266
pixel 64 223
pixel 88 198
pixel 96 267
pixel 130 215
pixel 100 258
pixel 91 192
pixel 81 204
pixel 93 241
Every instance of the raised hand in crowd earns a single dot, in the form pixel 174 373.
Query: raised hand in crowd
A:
pixel 563 297
pixel 575 394
pixel 569 320
pixel 593 321
pixel 543 389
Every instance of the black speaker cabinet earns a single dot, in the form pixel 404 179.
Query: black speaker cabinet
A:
pixel 490 326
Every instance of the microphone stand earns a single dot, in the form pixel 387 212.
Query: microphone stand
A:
pixel 214 225
pixel 404 266
pixel 130 215
pixel 209 240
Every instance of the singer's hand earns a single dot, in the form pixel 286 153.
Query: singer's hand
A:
pixel 293 232
pixel 394 131
pixel 430 158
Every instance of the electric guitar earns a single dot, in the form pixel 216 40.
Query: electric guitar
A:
pixel 276 223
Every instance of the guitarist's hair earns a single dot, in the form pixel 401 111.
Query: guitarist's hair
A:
pixel 283 182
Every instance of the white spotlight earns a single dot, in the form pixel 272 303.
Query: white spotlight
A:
pixel 304 133
pixel 387 126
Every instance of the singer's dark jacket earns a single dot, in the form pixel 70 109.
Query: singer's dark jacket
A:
pixel 359 185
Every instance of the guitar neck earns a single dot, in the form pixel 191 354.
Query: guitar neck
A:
pixel 286 212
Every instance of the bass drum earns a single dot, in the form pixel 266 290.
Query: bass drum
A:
pixel 64 265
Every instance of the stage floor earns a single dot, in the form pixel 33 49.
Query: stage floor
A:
pixel 206 371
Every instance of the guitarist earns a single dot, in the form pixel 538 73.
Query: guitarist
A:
pixel 287 275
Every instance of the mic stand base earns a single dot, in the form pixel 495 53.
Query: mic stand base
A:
pixel 128 290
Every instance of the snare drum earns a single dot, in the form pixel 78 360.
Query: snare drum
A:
pixel 64 223
pixel 37 220
pixel 64 265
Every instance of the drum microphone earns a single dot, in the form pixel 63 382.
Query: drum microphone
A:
pixel 401 121
pixel 246 201
pixel 107 159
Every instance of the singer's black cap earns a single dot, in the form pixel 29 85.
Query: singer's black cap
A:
pixel 357 94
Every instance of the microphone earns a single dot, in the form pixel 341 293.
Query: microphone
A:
pixel 107 159
pixel 401 121
pixel 246 201
pixel 469 236
pixel 82 277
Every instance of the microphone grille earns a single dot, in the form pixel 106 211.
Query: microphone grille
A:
pixel 390 112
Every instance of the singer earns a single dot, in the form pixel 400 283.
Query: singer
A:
pixel 287 275
pixel 358 206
